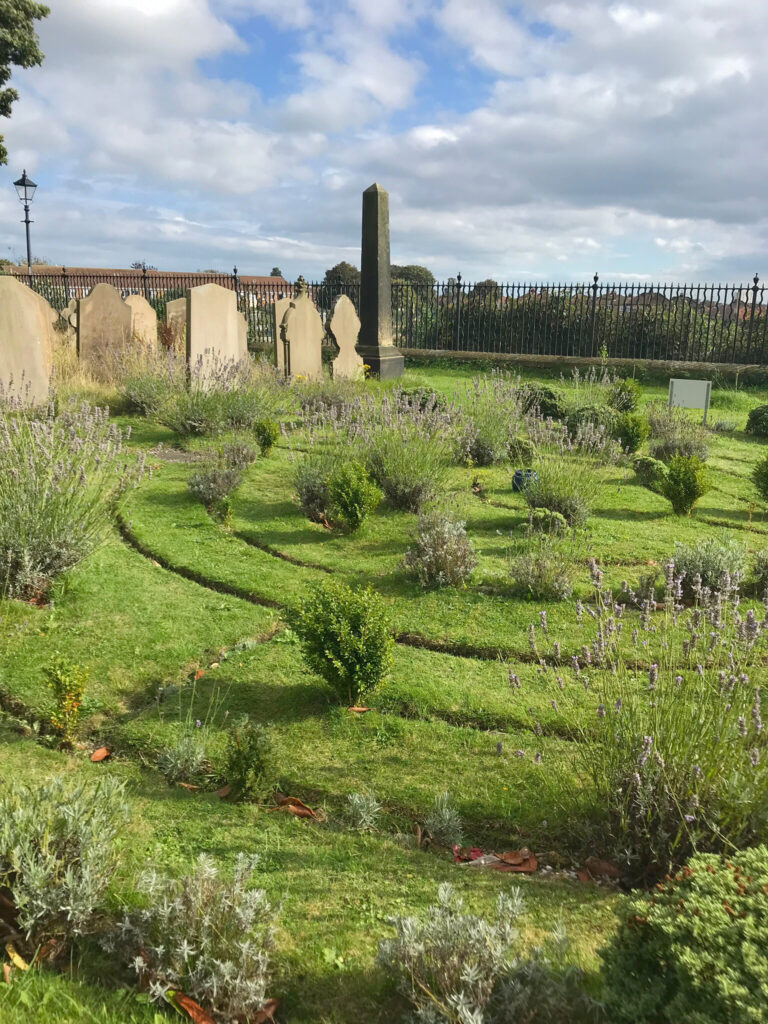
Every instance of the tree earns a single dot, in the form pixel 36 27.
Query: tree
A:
pixel 342 273
pixel 141 265
pixel 276 272
pixel 18 47
pixel 413 275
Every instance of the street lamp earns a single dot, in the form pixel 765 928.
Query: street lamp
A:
pixel 25 189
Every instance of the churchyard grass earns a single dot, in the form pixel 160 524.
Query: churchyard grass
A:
pixel 179 619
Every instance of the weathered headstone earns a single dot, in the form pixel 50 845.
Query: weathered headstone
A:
pixel 242 337
pixel 376 345
pixel 344 327
pixel 690 394
pixel 104 325
pixel 143 320
pixel 302 330
pixel 176 321
pixel 279 309
pixel 213 333
pixel 26 342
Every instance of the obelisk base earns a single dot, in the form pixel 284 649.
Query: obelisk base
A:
pixel 385 361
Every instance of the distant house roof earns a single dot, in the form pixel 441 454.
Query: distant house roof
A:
pixel 42 269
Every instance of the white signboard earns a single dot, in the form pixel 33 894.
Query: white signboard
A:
pixel 690 394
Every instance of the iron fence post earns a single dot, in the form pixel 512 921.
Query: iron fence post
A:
pixel 458 312
pixel 755 280
pixel 594 310
pixel 64 284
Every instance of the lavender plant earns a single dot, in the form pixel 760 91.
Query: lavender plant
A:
pixel 364 811
pixel 443 822
pixel 545 568
pixel 57 855
pixel 708 561
pixel 208 936
pixel 61 476
pixel 673 432
pixel 489 415
pixel 441 555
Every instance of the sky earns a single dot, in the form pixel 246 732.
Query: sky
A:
pixel 520 141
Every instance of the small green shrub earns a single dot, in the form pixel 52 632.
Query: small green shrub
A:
pixel 652 473
pixel 543 520
pixel 543 399
pixel 249 765
pixel 522 452
pixel 204 935
pixel 597 415
pixel 58 854
pixel 423 396
pixel 687 480
pixel 760 478
pixel 710 558
pixel 364 811
pixel 213 481
pixel 757 421
pixel 694 951
pixel 352 495
pixel 441 554
pixel 543 570
pixel 267 435
pixel 68 683
pixel 631 430
pixel 560 487
pixel 443 822
pixel 186 758
pixel 673 432
pixel 345 638
pixel 625 394
pixel 311 483
pixel 760 571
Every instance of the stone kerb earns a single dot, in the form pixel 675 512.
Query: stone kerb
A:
pixel 302 331
pixel 344 328
pixel 104 327
pixel 214 333
pixel 143 320
pixel 27 337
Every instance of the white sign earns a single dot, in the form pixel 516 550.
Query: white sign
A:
pixel 690 394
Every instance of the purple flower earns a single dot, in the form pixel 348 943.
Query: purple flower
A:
pixel 645 752
pixel 519 753
pixel 689 818
pixel 198 723
pixel 618 704
pixel 537 757
pixel 601 711
pixel 754 757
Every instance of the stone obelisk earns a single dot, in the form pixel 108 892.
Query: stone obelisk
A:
pixel 375 343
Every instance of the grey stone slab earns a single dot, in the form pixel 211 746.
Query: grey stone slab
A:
pixel 104 324
pixel 213 335
pixel 143 320
pixel 303 332
pixel 176 321
pixel 279 309
pixel 26 342
pixel 376 344
pixel 344 327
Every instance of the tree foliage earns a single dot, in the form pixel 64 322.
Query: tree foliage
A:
pixel 275 272
pixel 413 274
pixel 343 273
pixel 18 47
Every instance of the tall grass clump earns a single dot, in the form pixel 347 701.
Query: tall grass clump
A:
pixel 673 432
pixel 489 417
pixel 147 379
pixel 61 476
pixel 673 756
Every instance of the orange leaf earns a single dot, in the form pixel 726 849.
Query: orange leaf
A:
pixel 100 754
pixel 188 785
pixel 527 866
pixel 267 1012
pixel 195 1012
pixel 514 856
pixel 583 876
pixel 7 974
pixel 294 806
pixel 358 711
pixel 597 867
pixel 199 673
pixel 224 792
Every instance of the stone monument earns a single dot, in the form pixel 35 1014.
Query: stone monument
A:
pixel 104 325
pixel 176 321
pixel 376 345
pixel 302 331
pixel 279 309
pixel 26 342
pixel 143 320
pixel 344 328
pixel 214 336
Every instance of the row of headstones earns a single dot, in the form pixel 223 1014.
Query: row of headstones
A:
pixel 215 332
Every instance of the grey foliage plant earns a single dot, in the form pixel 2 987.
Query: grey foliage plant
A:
pixel 443 822
pixel 441 554
pixel 204 934
pixel 57 854
pixel 364 811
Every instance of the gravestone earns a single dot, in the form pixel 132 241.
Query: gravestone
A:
pixel 303 332
pixel 214 336
pixel 69 313
pixel 376 345
pixel 26 342
pixel 279 309
pixel 104 325
pixel 143 320
pixel 690 394
pixel 242 337
pixel 176 321
pixel 344 327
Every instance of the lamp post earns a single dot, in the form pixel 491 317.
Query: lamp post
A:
pixel 25 189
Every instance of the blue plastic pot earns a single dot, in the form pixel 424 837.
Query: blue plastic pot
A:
pixel 523 476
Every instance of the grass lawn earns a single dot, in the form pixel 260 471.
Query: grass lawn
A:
pixel 177 619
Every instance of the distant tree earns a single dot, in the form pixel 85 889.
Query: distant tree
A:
pixel 343 273
pixel 488 290
pixel 140 265
pixel 413 274
pixel 275 272
pixel 18 47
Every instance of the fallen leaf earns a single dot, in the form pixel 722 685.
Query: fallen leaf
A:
pixel 199 674
pixel 14 957
pixel 601 868
pixel 514 856
pixel 194 1011
pixel 358 710
pixel 224 792
pixel 293 805
pixel 267 1012
pixel 188 785
pixel 100 754
pixel 7 974
pixel 527 866
pixel 464 855
pixel 583 876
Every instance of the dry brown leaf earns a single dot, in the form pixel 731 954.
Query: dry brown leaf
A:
pixel 224 792
pixel 601 868
pixel 188 785
pixel 514 856
pixel 194 1010
pixel 358 710
pixel 267 1012
pixel 583 876
pixel 100 754
pixel 527 866
pixel 7 974
pixel 292 805
pixel 14 957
